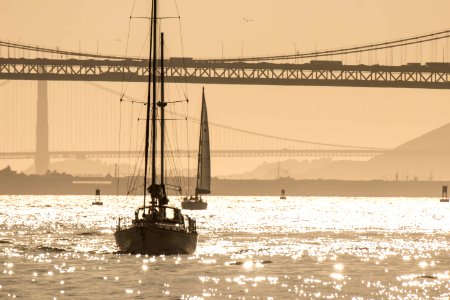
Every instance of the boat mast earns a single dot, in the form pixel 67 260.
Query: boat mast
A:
pixel 153 187
pixel 147 123
pixel 162 104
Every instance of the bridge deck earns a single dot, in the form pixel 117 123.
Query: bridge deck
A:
pixel 193 153
pixel 315 73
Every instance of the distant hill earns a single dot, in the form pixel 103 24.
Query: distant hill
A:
pixel 95 167
pixel 426 157
pixel 284 168
pixel 79 167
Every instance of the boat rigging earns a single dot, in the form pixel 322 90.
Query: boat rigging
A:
pixel 157 228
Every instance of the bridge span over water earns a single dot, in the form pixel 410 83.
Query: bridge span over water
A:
pixel 214 153
pixel 318 68
pixel 432 75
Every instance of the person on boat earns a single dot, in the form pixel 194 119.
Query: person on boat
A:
pixel 191 224
pixel 151 217
pixel 163 200
pixel 136 215
pixel 178 216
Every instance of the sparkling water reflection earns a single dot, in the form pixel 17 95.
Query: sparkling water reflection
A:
pixel 55 247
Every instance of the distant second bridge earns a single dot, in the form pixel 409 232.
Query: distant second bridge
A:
pixel 214 153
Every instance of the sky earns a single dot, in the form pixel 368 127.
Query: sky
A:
pixel 209 28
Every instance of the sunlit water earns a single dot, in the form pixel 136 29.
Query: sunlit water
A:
pixel 59 247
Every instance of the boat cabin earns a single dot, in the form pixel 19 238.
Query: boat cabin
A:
pixel 167 217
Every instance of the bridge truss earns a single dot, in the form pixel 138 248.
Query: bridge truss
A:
pixel 315 73
pixel 214 153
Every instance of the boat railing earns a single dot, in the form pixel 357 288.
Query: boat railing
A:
pixel 167 224
pixel 123 223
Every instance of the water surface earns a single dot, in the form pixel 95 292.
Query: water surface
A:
pixel 56 247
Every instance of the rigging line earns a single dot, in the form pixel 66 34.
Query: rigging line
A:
pixel 165 119
pixel 129 144
pixel 174 171
pixel 126 47
pixel 247 131
pixel 176 175
pixel 140 51
pixel 136 171
pixel 118 159
pixel 138 164
pixel 177 101
pixel 131 74
pixel 132 101
pixel 158 18
pixel 123 97
pixel 182 47
pixel 139 157
pixel 186 92
pixel 135 188
pixel 180 90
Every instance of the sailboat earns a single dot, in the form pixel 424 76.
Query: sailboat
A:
pixel 283 191
pixel 157 228
pixel 203 165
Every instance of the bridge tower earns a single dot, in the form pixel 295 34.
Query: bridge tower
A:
pixel 42 156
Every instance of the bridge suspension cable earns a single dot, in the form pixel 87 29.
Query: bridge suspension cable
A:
pixel 350 50
pixel 258 134
pixel 62 52
pixel 419 39
pixel 284 139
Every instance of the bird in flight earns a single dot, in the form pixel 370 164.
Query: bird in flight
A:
pixel 247 20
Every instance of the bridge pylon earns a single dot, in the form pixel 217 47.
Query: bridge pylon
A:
pixel 42 156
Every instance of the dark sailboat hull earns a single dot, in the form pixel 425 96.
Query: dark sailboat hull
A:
pixel 155 241
pixel 194 205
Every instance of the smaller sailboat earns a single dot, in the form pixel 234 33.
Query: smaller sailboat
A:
pixel 444 197
pixel 203 165
pixel 97 200
pixel 283 194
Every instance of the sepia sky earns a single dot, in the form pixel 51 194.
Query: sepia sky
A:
pixel 210 28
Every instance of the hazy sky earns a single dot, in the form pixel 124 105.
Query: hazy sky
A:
pixel 356 116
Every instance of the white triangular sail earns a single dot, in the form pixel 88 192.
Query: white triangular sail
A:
pixel 204 161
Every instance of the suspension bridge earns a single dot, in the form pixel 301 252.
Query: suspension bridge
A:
pixel 413 62
pixel 383 67
pixel 94 130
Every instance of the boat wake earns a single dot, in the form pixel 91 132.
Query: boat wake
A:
pixel 89 233
pixel 256 262
pixel 50 249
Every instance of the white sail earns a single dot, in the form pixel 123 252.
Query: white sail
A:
pixel 204 161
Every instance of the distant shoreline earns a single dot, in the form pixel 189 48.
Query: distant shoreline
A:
pixel 63 184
